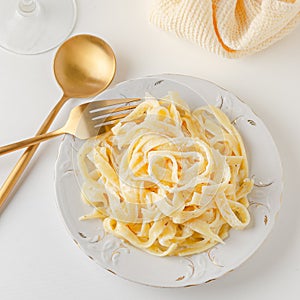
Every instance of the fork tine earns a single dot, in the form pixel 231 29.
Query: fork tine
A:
pixel 89 119
pixel 106 112
pixel 98 105
pixel 101 121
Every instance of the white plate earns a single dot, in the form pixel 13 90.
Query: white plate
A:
pixel 128 262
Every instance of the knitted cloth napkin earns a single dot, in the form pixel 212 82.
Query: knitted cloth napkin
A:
pixel 230 28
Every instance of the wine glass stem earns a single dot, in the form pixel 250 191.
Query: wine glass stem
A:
pixel 27 6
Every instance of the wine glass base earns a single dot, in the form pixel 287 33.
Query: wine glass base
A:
pixel 39 31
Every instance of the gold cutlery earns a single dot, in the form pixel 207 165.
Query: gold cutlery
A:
pixel 84 66
pixel 85 121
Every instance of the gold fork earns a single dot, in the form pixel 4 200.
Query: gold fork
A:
pixel 85 121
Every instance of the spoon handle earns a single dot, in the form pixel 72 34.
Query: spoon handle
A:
pixel 22 163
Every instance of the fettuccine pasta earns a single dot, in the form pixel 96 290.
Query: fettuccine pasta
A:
pixel 167 180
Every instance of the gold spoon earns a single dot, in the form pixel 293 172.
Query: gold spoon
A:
pixel 84 66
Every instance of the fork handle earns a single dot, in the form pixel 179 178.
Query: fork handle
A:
pixel 31 141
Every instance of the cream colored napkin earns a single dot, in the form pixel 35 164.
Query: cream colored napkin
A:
pixel 231 28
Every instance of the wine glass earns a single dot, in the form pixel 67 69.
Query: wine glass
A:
pixel 35 26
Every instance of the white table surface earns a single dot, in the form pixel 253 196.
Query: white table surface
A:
pixel 38 260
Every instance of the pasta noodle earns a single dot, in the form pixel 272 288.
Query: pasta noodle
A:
pixel 167 180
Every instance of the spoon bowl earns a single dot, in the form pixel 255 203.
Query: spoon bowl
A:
pixel 84 66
